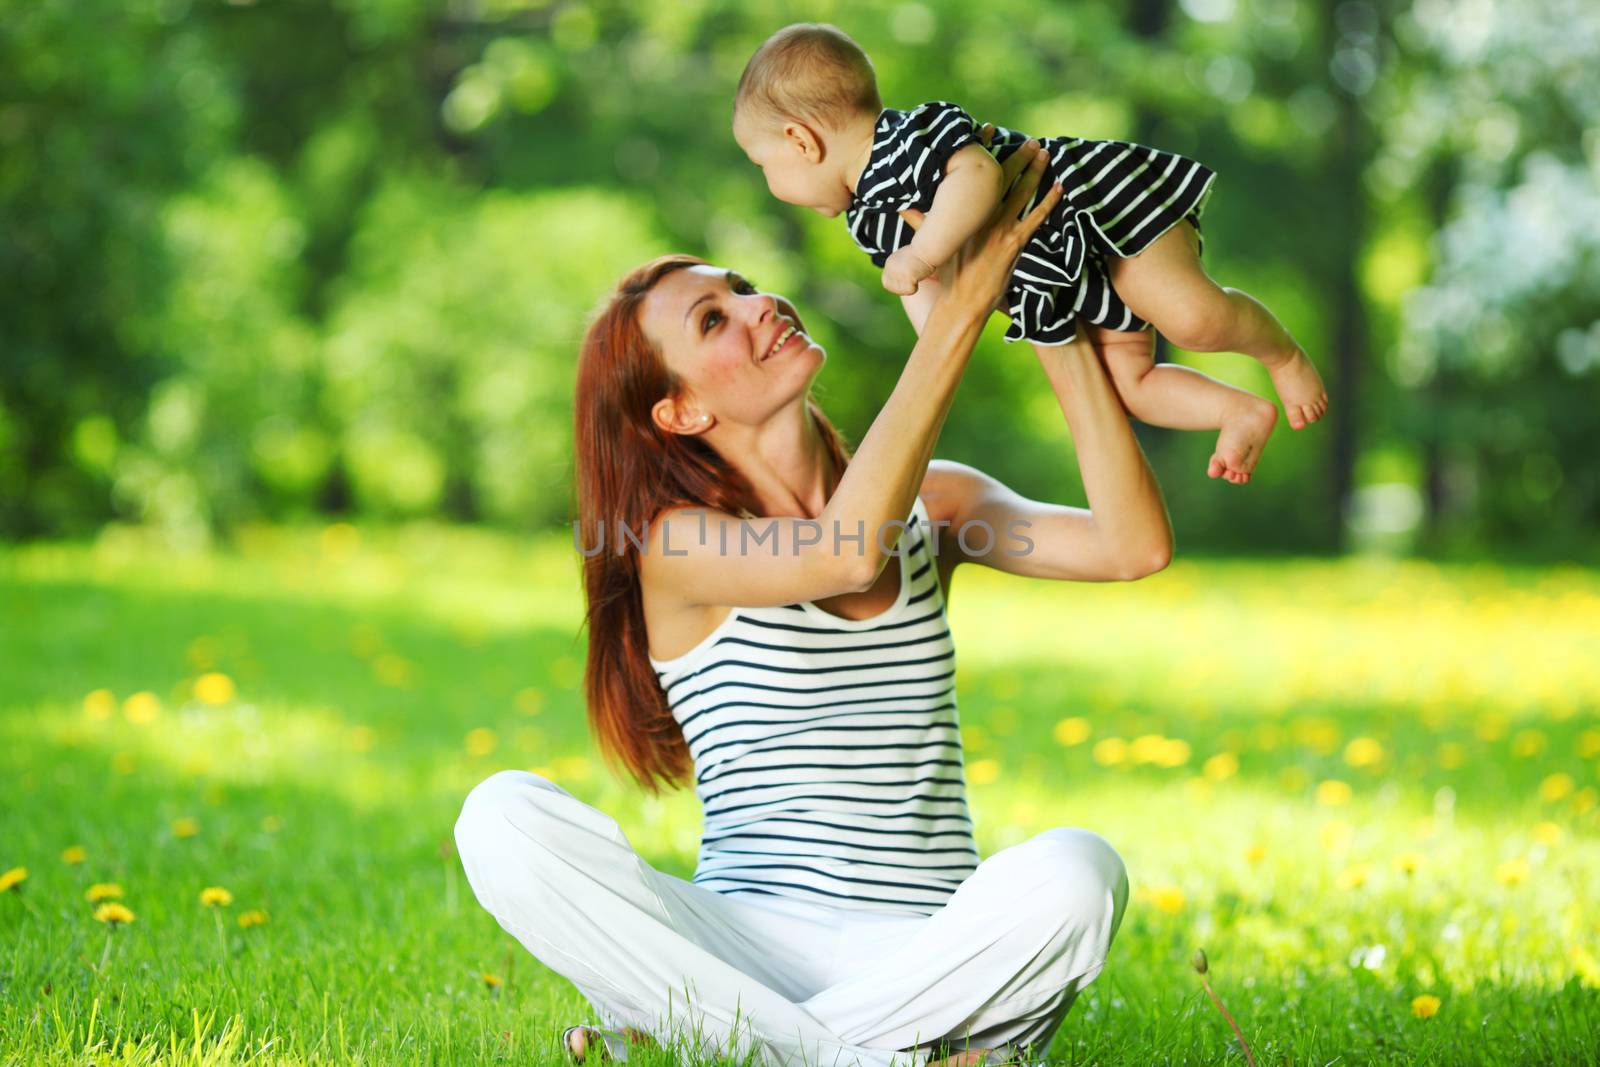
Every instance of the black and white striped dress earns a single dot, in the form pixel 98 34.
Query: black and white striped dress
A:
pixel 827 754
pixel 1117 198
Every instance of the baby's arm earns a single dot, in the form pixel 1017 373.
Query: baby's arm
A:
pixel 966 197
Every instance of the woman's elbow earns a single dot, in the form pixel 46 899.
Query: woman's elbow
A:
pixel 1143 564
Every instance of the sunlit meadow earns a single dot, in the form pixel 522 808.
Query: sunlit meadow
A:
pixel 1367 789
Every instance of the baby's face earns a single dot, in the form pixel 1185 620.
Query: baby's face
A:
pixel 792 176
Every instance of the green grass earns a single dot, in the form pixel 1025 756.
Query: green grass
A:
pixel 380 677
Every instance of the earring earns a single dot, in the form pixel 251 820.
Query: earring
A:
pixel 705 418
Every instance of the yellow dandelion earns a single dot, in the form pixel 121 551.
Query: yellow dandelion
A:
pixel 1255 853
pixel 1355 876
pixel 1333 793
pixel 1073 731
pixel 1425 1006
pixel 185 827
pixel 112 913
pixel 482 741
pixel 13 878
pixel 141 708
pixel 1512 872
pixel 490 980
pixel 1586 965
pixel 1555 786
pixel 1167 898
pixel 983 771
pixel 1335 835
pixel 1110 751
pixel 529 701
pixel 1584 800
pixel 1547 833
pixel 102 891
pixel 100 705
pixel 1589 744
pixel 74 854
pixel 271 824
pixel 213 896
pixel 339 540
pixel 214 688
pixel 1174 752
pixel 1528 743
pixel 1221 766
pixel 1408 862
pixel 1363 752
pixel 1451 754
pixel 254 917
pixel 1147 748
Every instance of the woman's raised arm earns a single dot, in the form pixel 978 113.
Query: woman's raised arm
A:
pixel 1123 534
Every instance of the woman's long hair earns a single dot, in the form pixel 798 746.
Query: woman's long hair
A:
pixel 628 471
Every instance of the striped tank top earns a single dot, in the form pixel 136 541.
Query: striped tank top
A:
pixel 827 753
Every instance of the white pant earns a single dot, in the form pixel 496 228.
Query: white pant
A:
pixel 795 982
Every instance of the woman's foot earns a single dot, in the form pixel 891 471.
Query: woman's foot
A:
pixel 968 1058
pixel 581 1040
pixel 1300 388
pixel 1246 425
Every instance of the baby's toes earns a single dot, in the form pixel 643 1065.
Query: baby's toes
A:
pixel 1216 468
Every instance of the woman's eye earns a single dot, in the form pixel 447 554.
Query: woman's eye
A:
pixel 744 286
pixel 711 319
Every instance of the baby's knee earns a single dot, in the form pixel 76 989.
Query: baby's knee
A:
pixel 1203 323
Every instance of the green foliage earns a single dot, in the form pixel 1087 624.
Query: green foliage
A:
pixel 268 259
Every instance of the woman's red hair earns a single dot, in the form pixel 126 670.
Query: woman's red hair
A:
pixel 628 471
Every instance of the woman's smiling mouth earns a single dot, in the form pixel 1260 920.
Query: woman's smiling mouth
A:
pixel 783 338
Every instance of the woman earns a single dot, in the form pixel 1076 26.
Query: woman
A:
pixel 772 620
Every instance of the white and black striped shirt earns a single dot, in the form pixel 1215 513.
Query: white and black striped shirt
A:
pixel 827 753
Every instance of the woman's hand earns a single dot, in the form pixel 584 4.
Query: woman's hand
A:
pixel 978 271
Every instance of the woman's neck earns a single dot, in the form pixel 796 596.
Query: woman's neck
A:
pixel 789 466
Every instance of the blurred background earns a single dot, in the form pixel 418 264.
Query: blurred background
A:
pixel 277 261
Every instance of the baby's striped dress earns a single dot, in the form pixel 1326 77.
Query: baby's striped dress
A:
pixel 1117 198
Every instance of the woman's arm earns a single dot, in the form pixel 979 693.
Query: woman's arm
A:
pixel 1124 533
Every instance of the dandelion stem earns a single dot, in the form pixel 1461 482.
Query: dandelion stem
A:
pixel 106 953
pixel 222 938
pixel 1236 1032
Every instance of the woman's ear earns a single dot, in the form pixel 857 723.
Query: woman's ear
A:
pixel 805 140
pixel 671 416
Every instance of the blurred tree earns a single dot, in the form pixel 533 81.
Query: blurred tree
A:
pixel 272 258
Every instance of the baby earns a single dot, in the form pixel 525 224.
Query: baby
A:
pixel 1121 251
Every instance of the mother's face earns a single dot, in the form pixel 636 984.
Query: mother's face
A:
pixel 741 355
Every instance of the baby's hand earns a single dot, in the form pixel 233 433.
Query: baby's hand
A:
pixel 903 270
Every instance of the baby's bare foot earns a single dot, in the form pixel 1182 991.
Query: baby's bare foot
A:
pixel 1300 388
pixel 1245 429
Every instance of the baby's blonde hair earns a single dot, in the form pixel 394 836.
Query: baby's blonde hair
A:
pixel 809 71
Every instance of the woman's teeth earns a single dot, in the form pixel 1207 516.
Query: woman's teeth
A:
pixel 779 343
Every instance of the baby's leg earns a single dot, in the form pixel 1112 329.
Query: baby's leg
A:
pixel 1166 285
pixel 1181 398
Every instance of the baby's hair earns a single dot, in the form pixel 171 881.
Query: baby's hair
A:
pixel 809 71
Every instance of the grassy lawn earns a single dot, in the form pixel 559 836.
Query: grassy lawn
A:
pixel 1352 783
